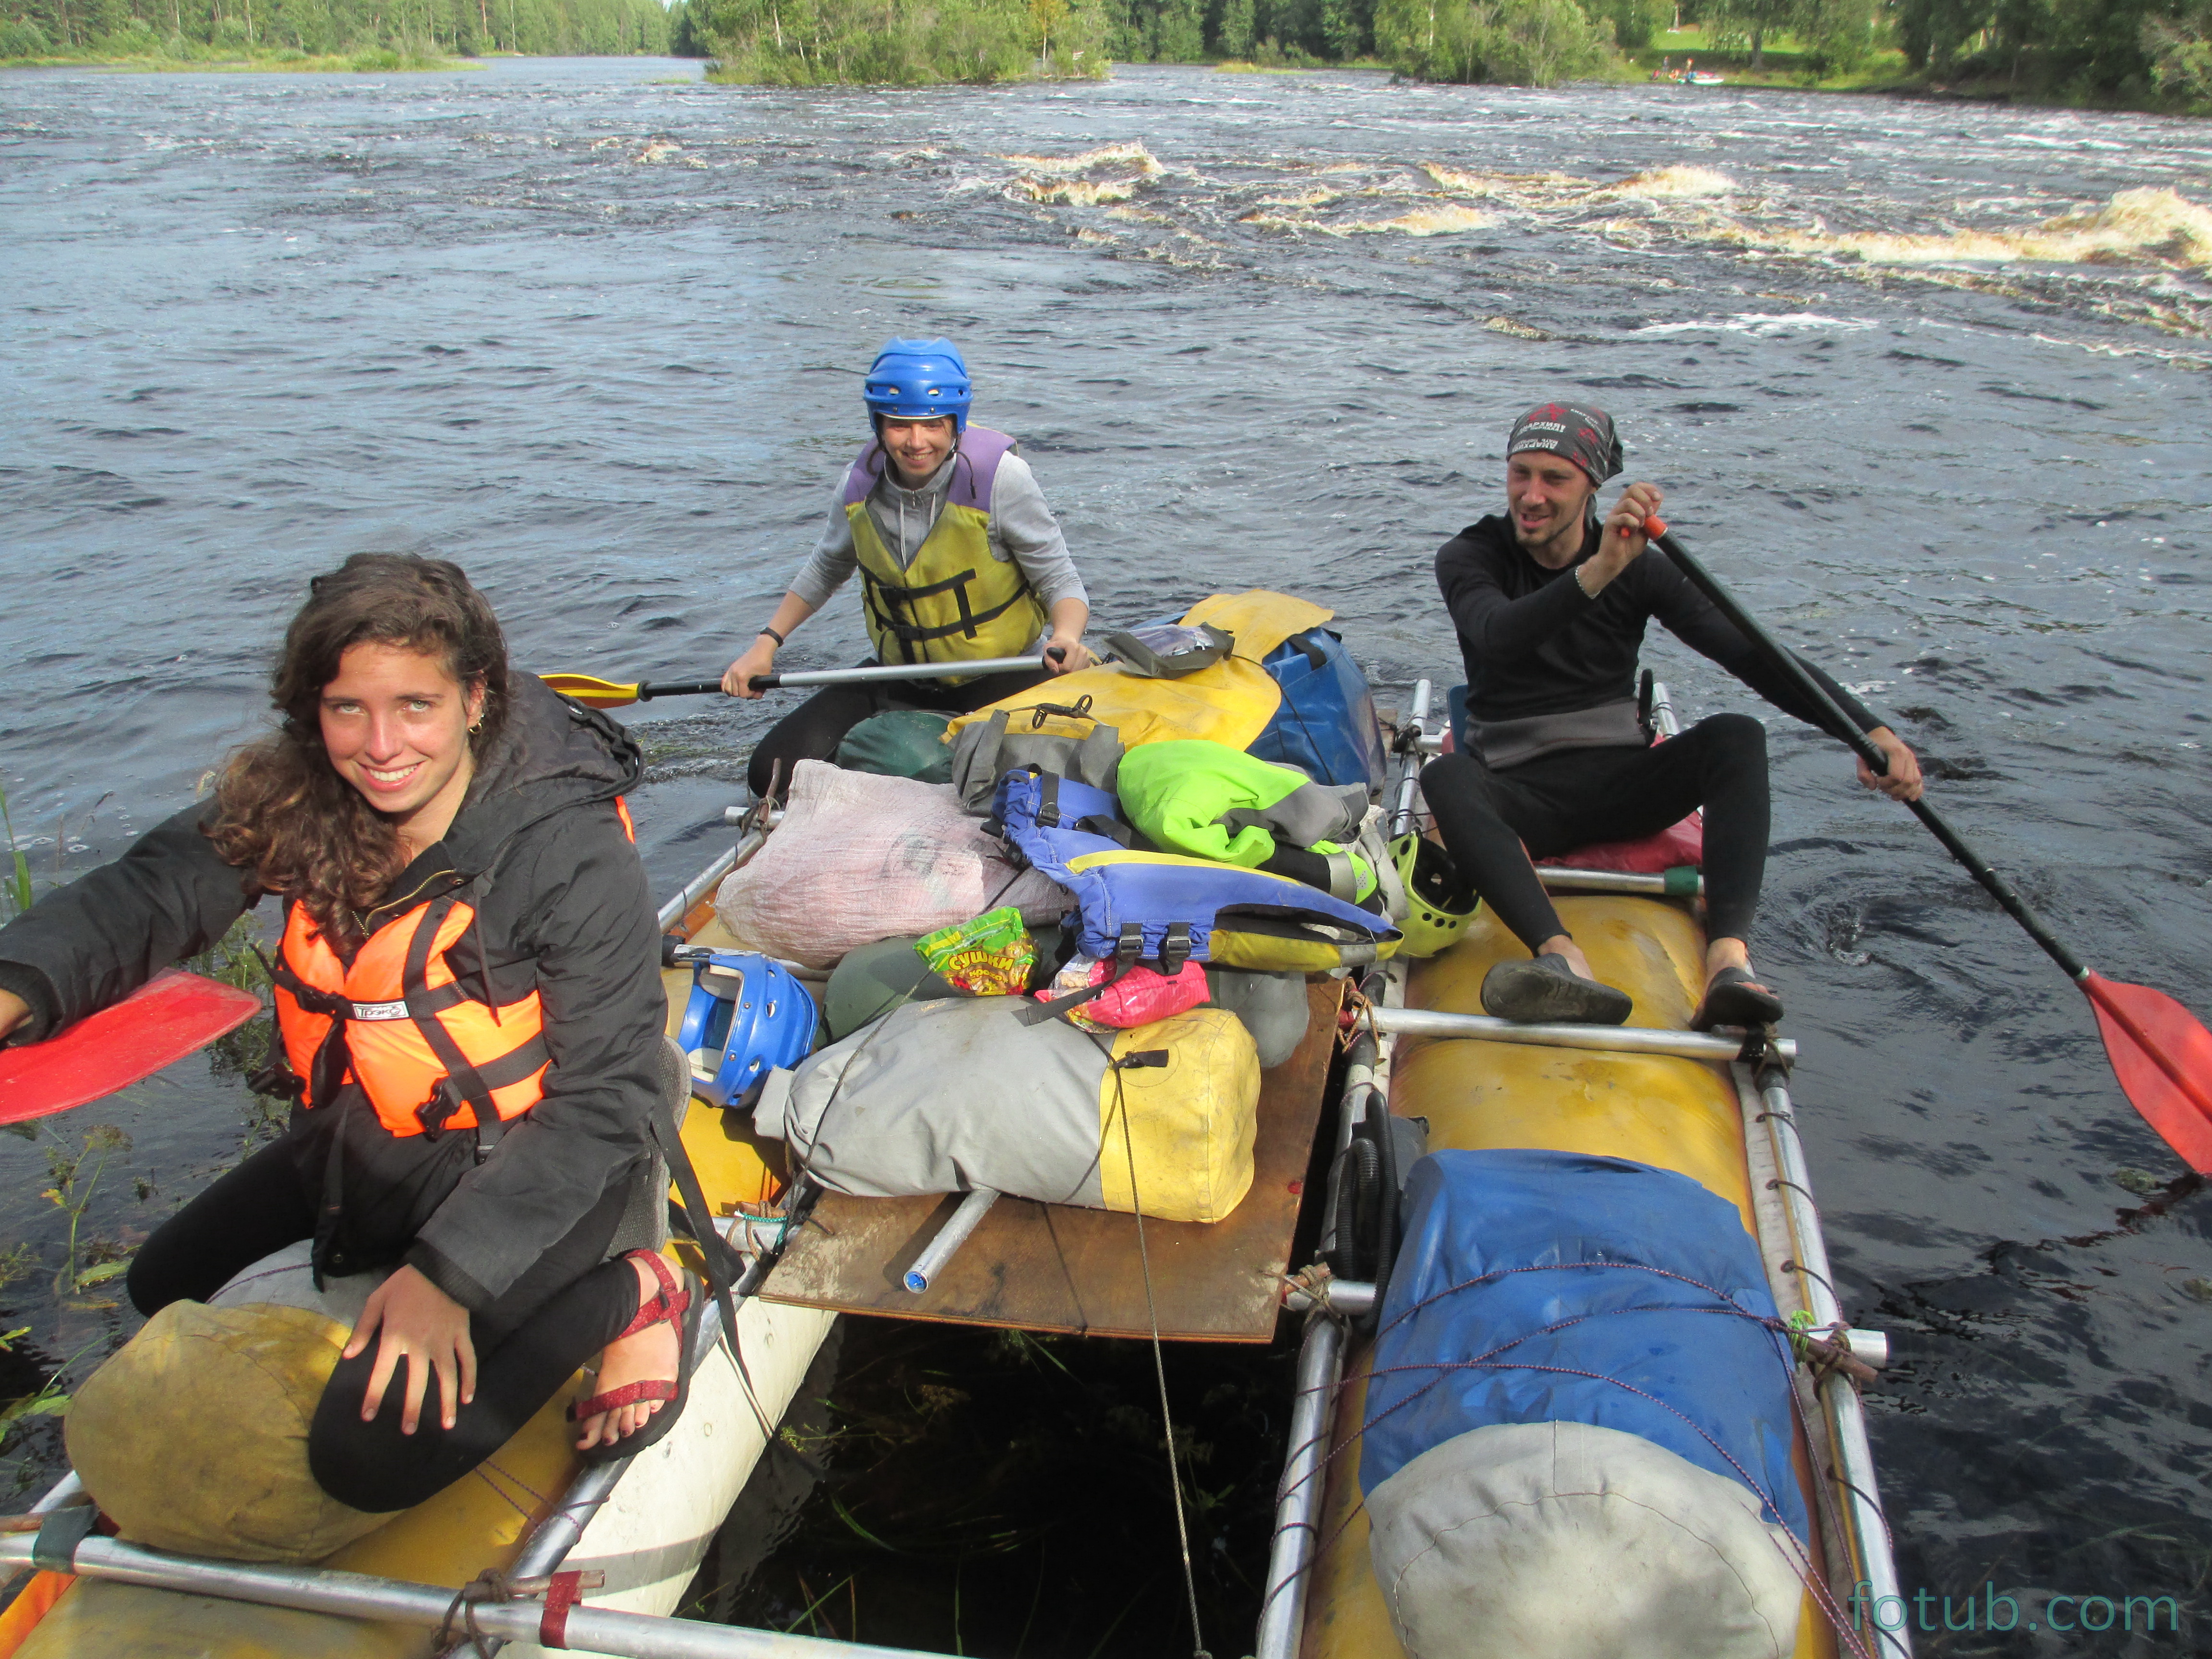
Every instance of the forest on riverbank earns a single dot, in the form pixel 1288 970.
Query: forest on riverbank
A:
pixel 2147 54
pixel 374 35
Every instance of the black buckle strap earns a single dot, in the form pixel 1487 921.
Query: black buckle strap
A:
pixel 1126 951
pixel 912 633
pixel 462 1077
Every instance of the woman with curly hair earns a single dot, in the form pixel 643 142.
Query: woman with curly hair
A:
pixel 471 1013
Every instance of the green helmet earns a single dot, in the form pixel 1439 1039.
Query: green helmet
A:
pixel 1438 905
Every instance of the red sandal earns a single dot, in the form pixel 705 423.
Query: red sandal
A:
pixel 679 1305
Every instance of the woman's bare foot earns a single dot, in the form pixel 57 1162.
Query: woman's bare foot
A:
pixel 653 1354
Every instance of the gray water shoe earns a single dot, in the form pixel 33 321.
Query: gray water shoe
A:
pixel 1547 991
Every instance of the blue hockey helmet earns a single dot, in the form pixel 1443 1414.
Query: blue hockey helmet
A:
pixel 746 1015
pixel 919 380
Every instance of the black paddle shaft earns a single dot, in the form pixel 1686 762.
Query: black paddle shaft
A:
pixel 1786 665
pixel 686 689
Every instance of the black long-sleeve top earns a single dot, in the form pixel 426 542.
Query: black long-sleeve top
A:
pixel 1534 643
pixel 564 909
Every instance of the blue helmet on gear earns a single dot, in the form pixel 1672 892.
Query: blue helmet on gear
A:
pixel 746 1014
pixel 919 380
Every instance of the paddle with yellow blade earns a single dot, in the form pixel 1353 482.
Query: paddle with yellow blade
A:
pixel 607 694
pixel 2160 1053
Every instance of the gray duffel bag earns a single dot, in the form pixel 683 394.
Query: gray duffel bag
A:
pixel 985 751
pixel 951 1096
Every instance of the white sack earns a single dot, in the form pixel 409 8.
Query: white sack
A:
pixel 1578 1542
pixel 860 858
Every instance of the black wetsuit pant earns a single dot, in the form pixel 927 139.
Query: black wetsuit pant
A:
pixel 813 730
pixel 1578 797
pixel 568 1304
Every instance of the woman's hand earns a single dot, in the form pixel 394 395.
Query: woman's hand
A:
pixel 1903 780
pixel 14 1011
pixel 430 1330
pixel 1066 653
pixel 759 658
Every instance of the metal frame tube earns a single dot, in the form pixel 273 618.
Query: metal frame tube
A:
pixel 1299 1498
pixel 1401 815
pixel 950 1237
pixel 1558 878
pixel 1840 1399
pixel 1349 1297
pixel 358 1596
pixel 700 884
pixel 1612 1039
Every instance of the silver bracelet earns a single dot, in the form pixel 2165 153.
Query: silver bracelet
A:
pixel 1584 586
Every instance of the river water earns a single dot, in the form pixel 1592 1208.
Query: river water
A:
pixel 1925 382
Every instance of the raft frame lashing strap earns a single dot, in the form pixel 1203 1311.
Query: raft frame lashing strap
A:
pixel 723 1265
pixel 1141 1058
pixel 562 1591
pixel 54 1548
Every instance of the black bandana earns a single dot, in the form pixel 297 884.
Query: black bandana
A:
pixel 1583 435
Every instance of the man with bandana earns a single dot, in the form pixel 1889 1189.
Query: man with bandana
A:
pixel 1550 605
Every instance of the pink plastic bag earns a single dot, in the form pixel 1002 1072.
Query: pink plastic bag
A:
pixel 860 858
pixel 1138 997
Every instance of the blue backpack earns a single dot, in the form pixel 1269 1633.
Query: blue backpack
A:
pixel 1325 726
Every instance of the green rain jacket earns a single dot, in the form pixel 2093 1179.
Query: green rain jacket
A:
pixel 1208 800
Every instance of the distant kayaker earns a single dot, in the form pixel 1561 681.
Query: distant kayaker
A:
pixel 1551 607
pixel 958 555
pixel 470 1014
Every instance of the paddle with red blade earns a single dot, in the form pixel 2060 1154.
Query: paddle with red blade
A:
pixel 2160 1053
pixel 156 1025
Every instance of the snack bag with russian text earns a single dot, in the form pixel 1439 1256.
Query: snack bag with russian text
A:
pixel 988 956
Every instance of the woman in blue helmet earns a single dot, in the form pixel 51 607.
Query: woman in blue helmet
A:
pixel 958 555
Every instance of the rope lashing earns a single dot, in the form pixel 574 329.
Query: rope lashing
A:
pixel 1793 1266
pixel 1157 1057
pixel 560 1592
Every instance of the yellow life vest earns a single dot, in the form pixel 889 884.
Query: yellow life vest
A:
pixel 957 601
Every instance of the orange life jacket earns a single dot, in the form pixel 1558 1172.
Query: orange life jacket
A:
pixel 427 1055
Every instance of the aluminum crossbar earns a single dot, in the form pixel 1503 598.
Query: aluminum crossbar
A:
pixel 358 1596
pixel 1609 1039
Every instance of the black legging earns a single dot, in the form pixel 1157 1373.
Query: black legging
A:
pixel 565 1308
pixel 813 730
pixel 1578 797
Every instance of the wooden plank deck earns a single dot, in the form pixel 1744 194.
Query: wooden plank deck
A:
pixel 1057 1267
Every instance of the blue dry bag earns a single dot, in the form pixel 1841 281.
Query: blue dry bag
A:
pixel 1563 1287
pixel 1325 726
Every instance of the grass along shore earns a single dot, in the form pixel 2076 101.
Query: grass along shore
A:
pixel 180 55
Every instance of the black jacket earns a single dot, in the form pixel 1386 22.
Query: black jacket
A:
pixel 1534 643
pixel 562 906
